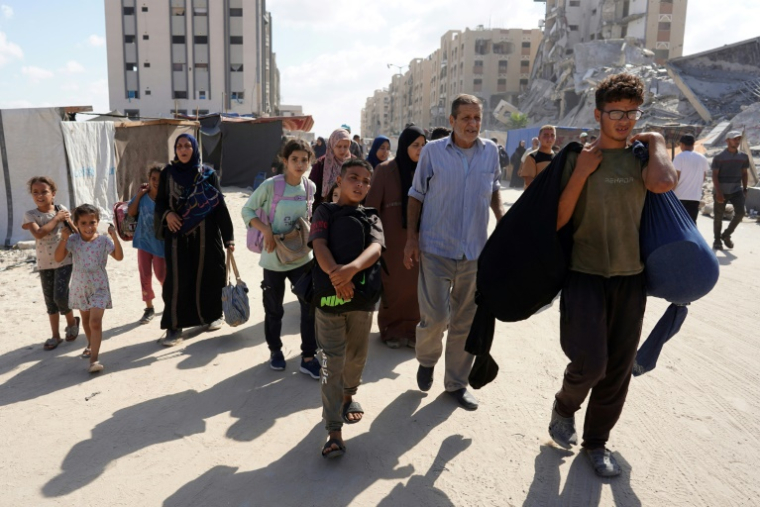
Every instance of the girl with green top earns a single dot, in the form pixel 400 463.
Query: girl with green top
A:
pixel 292 205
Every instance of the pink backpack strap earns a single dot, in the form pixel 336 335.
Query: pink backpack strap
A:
pixel 277 193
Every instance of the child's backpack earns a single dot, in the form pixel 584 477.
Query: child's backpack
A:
pixel 255 239
pixel 125 224
pixel 349 236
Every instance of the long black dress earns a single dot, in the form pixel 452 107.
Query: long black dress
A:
pixel 195 262
pixel 516 181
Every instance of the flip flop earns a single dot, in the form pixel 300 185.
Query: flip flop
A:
pixel 352 408
pixel 72 332
pixel 95 367
pixel 86 353
pixel 52 343
pixel 340 451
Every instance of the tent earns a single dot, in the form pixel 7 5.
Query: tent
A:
pixel 138 143
pixel 240 147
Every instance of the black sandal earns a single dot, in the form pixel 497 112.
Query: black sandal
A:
pixel 333 453
pixel 52 343
pixel 352 407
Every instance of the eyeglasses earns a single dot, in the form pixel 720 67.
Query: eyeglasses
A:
pixel 616 114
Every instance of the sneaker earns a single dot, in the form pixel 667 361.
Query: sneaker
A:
pixel 173 337
pixel 393 344
pixel 216 325
pixel 310 368
pixel 562 429
pixel 604 463
pixel 147 315
pixel 277 361
pixel 718 245
pixel 727 241
pixel 95 367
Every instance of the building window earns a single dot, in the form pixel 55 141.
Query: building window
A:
pixel 592 36
pixel 526 45
pixel 144 8
pixel 133 94
pixel 131 67
pixel 202 112
pixel 146 64
pixel 503 66
pixel 478 68
pixel 593 12
pixel 524 65
pixel 147 92
pixel 178 67
pixel 481 47
pixel 180 95
pixel 180 111
pixel 200 11
pixel 477 85
pixel 129 11
pixel 201 39
pixel 132 114
pixel 664 26
pixel 502 48
pixel 178 11
pixel 236 13
pixel 569 51
pixel 236 39
pixel 237 95
pixel 201 95
pixel 146 36
pixel 523 85
pixel 236 67
pixel 178 39
pixel 660 55
pixel 575 3
pixel 573 28
pixel 130 39
pixel 501 85
pixel 201 66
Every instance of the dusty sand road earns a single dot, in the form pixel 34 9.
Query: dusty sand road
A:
pixel 209 424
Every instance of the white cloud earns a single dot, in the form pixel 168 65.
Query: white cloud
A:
pixel 7 11
pixel 36 74
pixel 96 41
pixel 72 67
pixel 8 50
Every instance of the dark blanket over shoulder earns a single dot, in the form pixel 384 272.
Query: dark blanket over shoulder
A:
pixel 523 265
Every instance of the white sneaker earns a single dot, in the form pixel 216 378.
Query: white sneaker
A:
pixel 96 367
pixel 216 325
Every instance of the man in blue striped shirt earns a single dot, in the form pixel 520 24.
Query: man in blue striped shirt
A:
pixel 457 179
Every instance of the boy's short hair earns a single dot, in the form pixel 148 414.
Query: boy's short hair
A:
pixel 155 167
pixel 42 179
pixel 547 127
pixel 296 145
pixel 85 209
pixel 439 133
pixel 617 87
pixel 355 162
pixel 464 99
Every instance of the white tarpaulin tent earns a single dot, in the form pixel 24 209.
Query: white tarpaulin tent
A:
pixel 31 144
pixel 91 158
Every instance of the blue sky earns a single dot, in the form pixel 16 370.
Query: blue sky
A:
pixel 332 54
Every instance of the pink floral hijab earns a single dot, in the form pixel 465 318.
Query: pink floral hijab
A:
pixel 332 163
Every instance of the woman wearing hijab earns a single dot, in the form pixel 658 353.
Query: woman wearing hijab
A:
pixel 320 147
pixel 381 148
pixel 326 170
pixel 516 181
pixel 399 312
pixel 192 217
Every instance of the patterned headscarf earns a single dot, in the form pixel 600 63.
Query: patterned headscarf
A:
pixel 333 163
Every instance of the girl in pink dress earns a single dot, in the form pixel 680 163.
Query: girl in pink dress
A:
pixel 89 291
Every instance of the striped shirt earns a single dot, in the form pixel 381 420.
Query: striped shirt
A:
pixel 456 196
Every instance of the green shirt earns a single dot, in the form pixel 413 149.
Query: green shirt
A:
pixel 607 217
pixel 286 215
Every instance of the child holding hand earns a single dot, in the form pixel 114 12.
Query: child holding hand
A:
pixel 89 291
pixel 45 223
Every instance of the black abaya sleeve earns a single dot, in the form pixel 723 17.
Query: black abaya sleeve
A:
pixel 222 216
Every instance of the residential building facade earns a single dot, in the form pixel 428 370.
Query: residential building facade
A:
pixel 190 56
pixel 376 115
pixel 492 64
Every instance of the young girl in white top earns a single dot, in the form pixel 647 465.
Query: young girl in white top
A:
pixel 296 188
pixel 45 223
pixel 89 291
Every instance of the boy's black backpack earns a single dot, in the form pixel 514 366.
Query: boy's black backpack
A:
pixel 349 235
pixel 503 157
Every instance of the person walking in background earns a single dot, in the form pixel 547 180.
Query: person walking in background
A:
pixel 540 159
pixel 326 170
pixel 439 133
pixel 320 148
pixel 503 157
pixel 45 223
pixel 457 179
pixel 150 249
pixel 357 148
pixel 379 152
pixel 193 219
pixel 399 311
pixel 730 178
pixel 692 169
pixel 515 181
pixel 89 292
pixel 534 148
pixel 292 206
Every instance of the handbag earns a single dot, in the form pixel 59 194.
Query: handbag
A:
pixel 235 303
pixel 293 246
pixel 125 224
pixel 254 237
